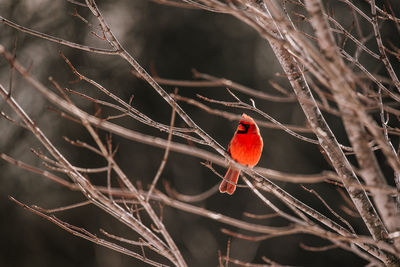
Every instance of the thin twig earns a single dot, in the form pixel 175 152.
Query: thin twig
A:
pixel 165 157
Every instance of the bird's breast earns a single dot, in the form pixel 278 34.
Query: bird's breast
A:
pixel 246 148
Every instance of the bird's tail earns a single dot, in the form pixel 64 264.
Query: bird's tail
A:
pixel 231 175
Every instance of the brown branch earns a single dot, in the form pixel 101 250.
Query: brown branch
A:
pixel 211 81
pixel 56 39
pixel 318 249
pixel 326 137
pixel 85 186
pixel 315 193
pixel 234 117
pixel 352 113
pixel 72 108
pixel 384 58
pixel 165 157
pixel 203 212
pixel 241 104
pixel 190 198
pixel 80 232
pixel 288 52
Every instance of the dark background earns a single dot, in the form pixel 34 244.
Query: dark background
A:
pixel 169 41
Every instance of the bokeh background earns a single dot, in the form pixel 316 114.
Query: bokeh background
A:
pixel 171 42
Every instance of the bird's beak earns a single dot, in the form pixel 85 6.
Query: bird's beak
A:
pixel 241 128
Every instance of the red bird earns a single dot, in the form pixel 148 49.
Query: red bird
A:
pixel 245 148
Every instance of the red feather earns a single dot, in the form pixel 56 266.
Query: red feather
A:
pixel 231 175
pixel 246 148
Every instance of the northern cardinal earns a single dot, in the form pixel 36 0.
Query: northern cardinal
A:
pixel 245 148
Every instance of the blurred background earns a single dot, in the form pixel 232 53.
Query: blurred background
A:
pixel 170 42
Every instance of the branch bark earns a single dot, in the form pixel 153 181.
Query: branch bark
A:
pixel 350 108
pixel 325 135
